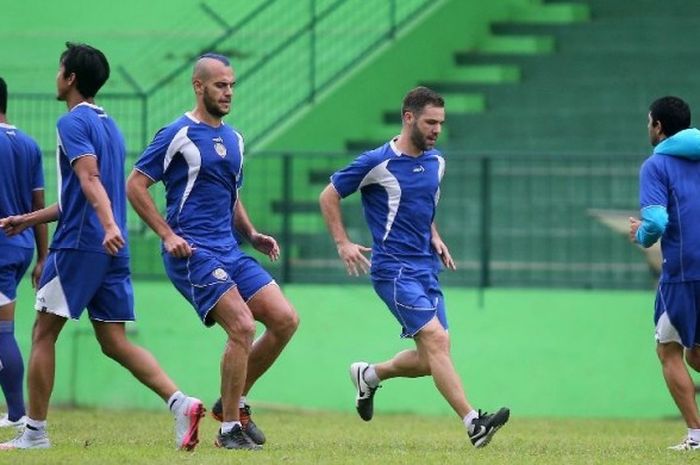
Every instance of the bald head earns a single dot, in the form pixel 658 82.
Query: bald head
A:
pixel 207 63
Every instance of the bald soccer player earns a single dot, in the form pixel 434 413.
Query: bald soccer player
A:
pixel 199 159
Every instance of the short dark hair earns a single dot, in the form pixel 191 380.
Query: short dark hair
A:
pixel 89 65
pixel 3 96
pixel 417 99
pixel 215 56
pixel 673 114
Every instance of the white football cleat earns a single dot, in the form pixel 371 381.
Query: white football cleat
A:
pixel 6 423
pixel 686 444
pixel 27 439
pixel 187 420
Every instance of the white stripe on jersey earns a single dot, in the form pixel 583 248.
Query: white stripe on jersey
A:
pixel 190 153
pixel 59 178
pixel 441 173
pixel 382 176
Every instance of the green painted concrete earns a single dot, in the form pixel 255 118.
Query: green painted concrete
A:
pixel 542 352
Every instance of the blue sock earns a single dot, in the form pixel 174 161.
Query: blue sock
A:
pixel 11 371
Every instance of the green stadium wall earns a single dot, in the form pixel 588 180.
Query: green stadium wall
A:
pixel 353 107
pixel 544 353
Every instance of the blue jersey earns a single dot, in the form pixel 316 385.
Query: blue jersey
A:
pixel 87 130
pixel 20 174
pixel 674 183
pixel 399 196
pixel 202 169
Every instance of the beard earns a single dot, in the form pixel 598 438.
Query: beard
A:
pixel 212 107
pixel 418 139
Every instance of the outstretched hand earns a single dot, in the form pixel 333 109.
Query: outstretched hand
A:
pixel 634 226
pixel 267 245
pixel 13 225
pixel 352 255
pixel 444 253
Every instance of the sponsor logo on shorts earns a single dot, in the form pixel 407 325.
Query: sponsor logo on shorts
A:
pixel 220 274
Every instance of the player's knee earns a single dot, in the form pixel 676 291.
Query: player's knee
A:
pixel 285 323
pixel 436 339
pixel 242 331
pixel 693 359
pixel 669 353
pixel 290 322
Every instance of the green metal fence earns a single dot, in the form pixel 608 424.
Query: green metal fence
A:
pixel 518 220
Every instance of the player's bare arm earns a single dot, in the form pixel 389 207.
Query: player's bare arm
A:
pixel 13 225
pixel 352 254
pixel 137 192
pixel 261 242
pixel 41 238
pixel 441 248
pixel 89 176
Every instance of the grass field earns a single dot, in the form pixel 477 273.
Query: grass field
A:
pixel 302 437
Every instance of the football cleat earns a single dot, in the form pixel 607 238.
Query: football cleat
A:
pixel 244 414
pixel 485 426
pixel 28 439
pixel 686 444
pixel 235 439
pixel 364 400
pixel 5 422
pixel 187 420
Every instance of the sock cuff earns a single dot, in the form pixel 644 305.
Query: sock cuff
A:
pixel 174 399
pixel 7 326
pixel 35 424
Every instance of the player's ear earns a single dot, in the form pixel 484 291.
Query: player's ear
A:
pixel 197 86
pixel 408 117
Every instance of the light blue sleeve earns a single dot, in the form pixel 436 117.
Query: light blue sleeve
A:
pixel 654 221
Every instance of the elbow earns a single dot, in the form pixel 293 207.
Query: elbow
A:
pixel 328 196
pixel 650 232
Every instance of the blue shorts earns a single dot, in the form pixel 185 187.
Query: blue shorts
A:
pixel 676 313
pixel 14 262
pixel 414 298
pixel 206 276
pixel 73 280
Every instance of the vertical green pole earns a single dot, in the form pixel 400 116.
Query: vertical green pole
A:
pixel 312 52
pixel 485 197
pixel 392 19
pixel 287 199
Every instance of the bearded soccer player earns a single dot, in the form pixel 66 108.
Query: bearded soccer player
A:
pixel 199 159
pixel 399 183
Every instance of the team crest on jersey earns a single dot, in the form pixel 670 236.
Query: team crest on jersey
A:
pixel 219 146
pixel 220 274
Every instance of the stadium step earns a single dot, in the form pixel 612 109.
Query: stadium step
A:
pixel 515 45
pixel 458 102
pixel 483 74
pixel 553 13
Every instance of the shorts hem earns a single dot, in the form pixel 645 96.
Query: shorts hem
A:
pixel 206 314
pixel 260 289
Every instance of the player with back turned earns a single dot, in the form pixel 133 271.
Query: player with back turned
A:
pixel 88 266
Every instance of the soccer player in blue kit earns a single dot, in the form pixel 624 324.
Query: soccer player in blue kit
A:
pixel 669 191
pixel 199 159
pixel 88 265
pixel 21 191
pixel 400 187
